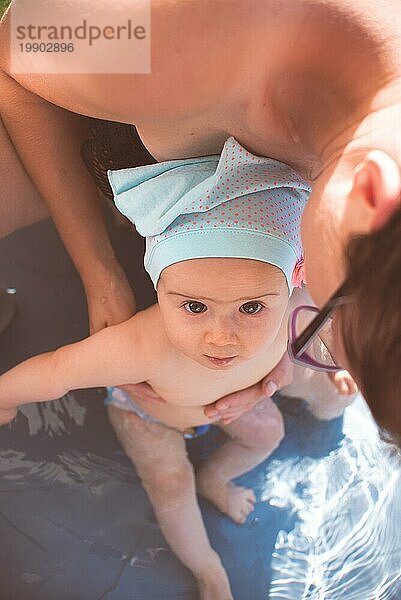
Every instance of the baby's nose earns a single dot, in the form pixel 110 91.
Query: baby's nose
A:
pixel 221 336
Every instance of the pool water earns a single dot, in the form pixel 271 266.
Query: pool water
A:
pixel 76 523
pixel 345 543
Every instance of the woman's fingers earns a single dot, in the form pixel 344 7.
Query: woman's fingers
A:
pixel 143 391
pixel 235 404
pixel 279 377
pixel 232 406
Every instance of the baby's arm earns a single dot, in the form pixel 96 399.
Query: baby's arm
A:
pixel 115 355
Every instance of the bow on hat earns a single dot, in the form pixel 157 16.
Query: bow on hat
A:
pixel 153 196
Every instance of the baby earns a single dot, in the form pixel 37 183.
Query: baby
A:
pixel 224 252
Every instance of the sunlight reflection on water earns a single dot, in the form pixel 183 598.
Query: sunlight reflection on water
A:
pixel 346 542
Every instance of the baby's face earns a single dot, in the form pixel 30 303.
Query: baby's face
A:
pixel 222 311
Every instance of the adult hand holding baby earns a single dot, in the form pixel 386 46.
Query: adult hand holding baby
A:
pixel 231 407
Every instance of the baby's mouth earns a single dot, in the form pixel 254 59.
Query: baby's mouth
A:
pixel 220 361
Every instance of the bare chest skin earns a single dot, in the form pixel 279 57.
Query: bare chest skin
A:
pixel 295 97
pixel 234 68
pixel 187 386
pixel 190 138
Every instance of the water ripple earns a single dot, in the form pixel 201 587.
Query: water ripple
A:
pixel 346 542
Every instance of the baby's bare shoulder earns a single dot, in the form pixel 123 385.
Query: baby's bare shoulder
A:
pixel 146 328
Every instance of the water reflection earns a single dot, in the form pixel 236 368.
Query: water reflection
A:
pixel 345 543
pixel 338 538
pixel 52 443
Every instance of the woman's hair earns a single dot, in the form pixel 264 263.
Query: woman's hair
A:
pixel 371 322
pixel 112 146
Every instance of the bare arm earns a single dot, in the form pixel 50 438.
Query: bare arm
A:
pixel 115 355
pixel 43 116
pixel 47 139
pixel 51 155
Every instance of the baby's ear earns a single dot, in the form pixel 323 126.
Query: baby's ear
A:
pixel 377 182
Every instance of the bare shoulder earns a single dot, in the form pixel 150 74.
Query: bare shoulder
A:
pixel 149 325
pixel 145 331
pixel 167 91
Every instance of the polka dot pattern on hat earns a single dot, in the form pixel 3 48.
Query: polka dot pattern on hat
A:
pixel 238 199
pixel 236 203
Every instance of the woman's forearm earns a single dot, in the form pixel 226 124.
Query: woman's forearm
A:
pixel 48 140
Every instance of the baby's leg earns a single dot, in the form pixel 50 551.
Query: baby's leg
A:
pixel 253 437
pixel 160 458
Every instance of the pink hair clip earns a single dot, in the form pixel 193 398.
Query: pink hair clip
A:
pixel 298 274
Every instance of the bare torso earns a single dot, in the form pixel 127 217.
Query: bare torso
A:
pixel 236 68
pixel 186 385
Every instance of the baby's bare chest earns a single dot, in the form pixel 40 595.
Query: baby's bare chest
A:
pixel 186 384
pixel 188 388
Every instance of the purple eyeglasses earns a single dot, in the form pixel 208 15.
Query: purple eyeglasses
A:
pixel 310 335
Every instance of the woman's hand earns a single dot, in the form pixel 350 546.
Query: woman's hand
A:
pixel 232 406
pixel 110 299
pixel 143 391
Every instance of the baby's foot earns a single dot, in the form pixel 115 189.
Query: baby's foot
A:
pixel 240 502
pixel 235 501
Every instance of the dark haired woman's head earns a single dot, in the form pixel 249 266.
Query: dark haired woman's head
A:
pixel 351 230
pixel 371 321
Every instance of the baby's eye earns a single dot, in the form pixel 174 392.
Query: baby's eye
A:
pixel 251 308
pixel 195 307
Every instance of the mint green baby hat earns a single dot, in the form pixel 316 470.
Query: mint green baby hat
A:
pixel 236 205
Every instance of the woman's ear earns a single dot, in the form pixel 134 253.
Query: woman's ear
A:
pixel 377 182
